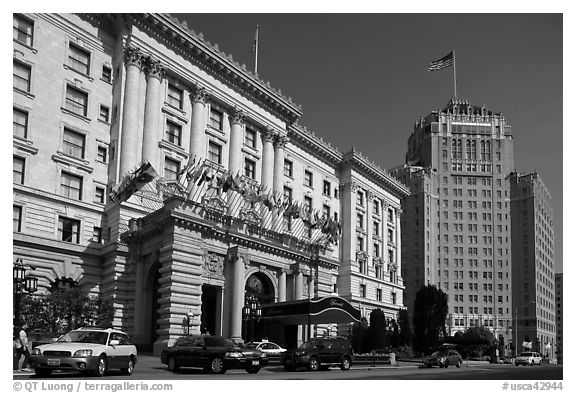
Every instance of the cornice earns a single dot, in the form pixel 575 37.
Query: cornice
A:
pixel 310 142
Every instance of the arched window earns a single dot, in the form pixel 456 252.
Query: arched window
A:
pixel 468 150
pixel 473 150
pixel 488 151
pixel 459 149
pixel 453 148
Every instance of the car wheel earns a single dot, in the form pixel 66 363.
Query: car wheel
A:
pixel 217 366
pixel 101 367
pixel 345 363
pixel 313 364
pixel 129 367
pixel 42 372
pixel 253 370
pixel 172 366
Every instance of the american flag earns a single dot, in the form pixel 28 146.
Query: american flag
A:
pixel 444 62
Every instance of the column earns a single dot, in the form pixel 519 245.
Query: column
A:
pixel 237 258
pixel 129 141
pixel 155 72
pixel 282 286
pixel 236 138
pixel 268 158
pixel 278 181
pixel 298 284
pixel 398 241
pixel 198 126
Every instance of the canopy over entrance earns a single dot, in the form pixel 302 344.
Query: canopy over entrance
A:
pixel 330 309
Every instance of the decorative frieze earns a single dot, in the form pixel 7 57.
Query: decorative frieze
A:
pixel 213 265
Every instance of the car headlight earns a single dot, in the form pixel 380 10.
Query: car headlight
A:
pixel 442 360
pixel 263 354
pixel 83 352
pixel 36 351
pixel 234 355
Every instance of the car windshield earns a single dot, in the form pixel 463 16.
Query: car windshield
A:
pixel 440 353
pixel 218 342
pixel 77 336
pixel 310 344
pixel 526 354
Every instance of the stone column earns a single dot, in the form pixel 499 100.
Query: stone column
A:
pixel 282 286
pixel 236 136
pixel 278 181
pixel 398 241
pixel 237 258
pixel 130 113
pixel 268 159
pixel 298 285
pixel 199 99
pixel 152 127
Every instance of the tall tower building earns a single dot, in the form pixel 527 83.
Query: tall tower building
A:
pixel 559 316
pixel 458 216
pixel 533 279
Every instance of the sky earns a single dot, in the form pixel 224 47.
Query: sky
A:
pixel 362 79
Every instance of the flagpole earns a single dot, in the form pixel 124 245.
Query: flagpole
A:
pixel 454 67
pixel 256 52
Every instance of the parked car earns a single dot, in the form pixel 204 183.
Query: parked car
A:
pixel 88 349
pixel 320 353
pixel 444 358
pixel 268 347
pixel 214 354
pixel 530 358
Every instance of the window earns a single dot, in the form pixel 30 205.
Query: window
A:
pixel 97 235
pixel 73 143
pixel 376 248
pixel 215 152
pixel 23 30
pixel 79 59
pixel 76 101
pixel 360 220
pixel 174 97
pixel 71 186
pixel 376 207
pixel 171 169
pixel 379 294
pixel 216 119
pixel 326 188
pixel 16 218
pixel 376 226
pixel 250 138
pixel 360 198
pixel 173 132
pixel 390 236
pixel 106 74
pixel 288 168
pixel 99 195
pixel 21 76
pixel 326 211
pixel 390 215
pixel 102 154
pixel 360 244
pixel 68 230
pixel 18 167
pixel 393 297
pixel 308 202
pixel 308 178
pixel 250 168
pixel 363 290
pixel 20 123
pixel 287 194
pixel 104 114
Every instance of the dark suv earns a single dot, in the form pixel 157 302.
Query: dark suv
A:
pixel 320 353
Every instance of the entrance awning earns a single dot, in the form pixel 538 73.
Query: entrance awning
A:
pixel 330 309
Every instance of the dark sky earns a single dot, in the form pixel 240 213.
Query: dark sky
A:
pixel 362 79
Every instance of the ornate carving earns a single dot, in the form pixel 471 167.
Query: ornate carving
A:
pixel 238 116
pixel 361 256
pixel 214 203
pixel 236 252
pixel 250 215
pixel 133 55
pixel 378 261
pixel 200 94
pixel 268 135
pixel 153 68
pixel 392 266
pixel 280 141
pixel 213 265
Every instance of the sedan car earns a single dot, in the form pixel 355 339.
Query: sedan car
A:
pixel 530 358
pixel 89 349
pixel 444 358
pixel 268 347
pixel 214 354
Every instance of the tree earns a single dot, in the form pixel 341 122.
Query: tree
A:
pixel 377 330
pixel 430 311
pixel 404 335
pixel 360 335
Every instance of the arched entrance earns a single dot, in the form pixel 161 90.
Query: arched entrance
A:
pixel 259 286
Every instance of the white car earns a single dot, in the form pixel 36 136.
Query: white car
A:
pixel 530 358
pixel 88 349
pixel 268 347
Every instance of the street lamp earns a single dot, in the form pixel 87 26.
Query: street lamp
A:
pixel 252 312
pixel 189 319
pixel 21 282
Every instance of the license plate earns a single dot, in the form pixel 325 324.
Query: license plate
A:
pixel 53 362
pixel 255 362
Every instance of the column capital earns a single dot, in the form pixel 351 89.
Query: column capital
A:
pixel 280 141
pixel 153 68
pixel 133 55
pixel 200 94
pixel 238 116
pixel 268 134
pixel 236 252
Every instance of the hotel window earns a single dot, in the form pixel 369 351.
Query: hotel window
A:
pixel 97 235
pixel 215 152
pixel 106 74
pixel 23 30
pixel 173 132
pixel 21 76
pixel 20 123
pixel 216 119
pixel 379 294
pixel 360 244
pixel 73 143
pixel 326 188
pixel 102 154
pixel 288 168
pixel 360 221
pixel 104 114
pixel 360 198
pixel 308 202
pixel 390 215
pixel 393 297
pixel 79 59
pixel 250 138
pixel 376 248
pixel 68 230
pixel 376 226
pixel 363 290
pixel 16 218
pixel 99 195
pixel 174 97
pixel 249 168
pixel 76 101
pixel 71 186
pixel 376 207
pixel 308 178
pixel 171 169
pixel 287 194
pixel 326 211
pixel 18 166
pixel 390 236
